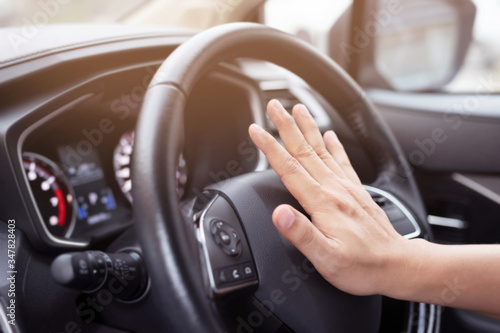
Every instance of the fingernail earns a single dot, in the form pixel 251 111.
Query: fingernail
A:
pixel 332 135
pixel 257 128
pixel 285 218
pixel 303 110
pixel 277 104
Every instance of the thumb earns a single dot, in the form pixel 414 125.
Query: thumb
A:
pixel 299 231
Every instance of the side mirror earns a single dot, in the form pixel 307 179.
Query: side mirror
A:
pixel 419 45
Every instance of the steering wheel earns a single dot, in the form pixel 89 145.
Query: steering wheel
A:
pixel 231 246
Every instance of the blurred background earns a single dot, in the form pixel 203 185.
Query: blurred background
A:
pixel 311 20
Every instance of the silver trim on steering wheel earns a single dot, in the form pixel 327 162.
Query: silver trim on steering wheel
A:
pixel 400 205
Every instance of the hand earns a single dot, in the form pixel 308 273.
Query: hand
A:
pixel 350 241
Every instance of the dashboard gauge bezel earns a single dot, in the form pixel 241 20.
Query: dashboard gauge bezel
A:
pixel 49 238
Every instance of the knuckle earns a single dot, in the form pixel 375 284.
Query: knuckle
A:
pixel 323 154
pixel 342 203
pixel 318 200
pixel 379 213
pixel 351 188
pixel 291 166
pixel 304 151
pixel 344 206
pixel 283 121
pixel 344 163
pixel 307 237
pixel 323 198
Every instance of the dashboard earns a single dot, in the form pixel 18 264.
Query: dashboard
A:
pixel 68 143
pixel 77 161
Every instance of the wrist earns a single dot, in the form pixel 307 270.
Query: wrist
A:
pixel 405 271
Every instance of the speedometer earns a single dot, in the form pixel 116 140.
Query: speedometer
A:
pixel 122 161
pixel 53 195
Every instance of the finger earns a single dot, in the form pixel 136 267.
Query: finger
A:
pixel 299 231
pixel 296 179
pixel 296 144
pixel 311 133
pixel 336 149
pixel 313 136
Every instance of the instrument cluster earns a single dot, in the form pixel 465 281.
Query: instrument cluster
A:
pixel 76 155
pixel 74 193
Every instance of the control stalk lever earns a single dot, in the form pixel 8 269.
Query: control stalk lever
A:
pixel 122 273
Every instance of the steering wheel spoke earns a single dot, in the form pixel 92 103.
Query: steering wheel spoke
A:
pixel 226 253
pixel 401 218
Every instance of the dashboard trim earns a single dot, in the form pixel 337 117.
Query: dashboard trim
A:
pixel 255 103
pixel 402 207
pixel 40 225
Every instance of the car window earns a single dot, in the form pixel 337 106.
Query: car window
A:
pixel 310 20
pixel 482 62
pixel 40 12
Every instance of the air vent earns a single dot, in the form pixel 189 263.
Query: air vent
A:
pixel 290 95
pixel 284 96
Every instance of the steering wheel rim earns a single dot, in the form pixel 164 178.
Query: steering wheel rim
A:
pixel 167 239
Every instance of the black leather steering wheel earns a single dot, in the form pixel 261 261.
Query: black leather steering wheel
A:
pixel 179 273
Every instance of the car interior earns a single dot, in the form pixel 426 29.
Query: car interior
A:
pixel 133 199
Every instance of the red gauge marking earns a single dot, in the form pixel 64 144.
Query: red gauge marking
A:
pixel 62 207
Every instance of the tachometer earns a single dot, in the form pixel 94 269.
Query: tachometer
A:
pixel 121 162
pixel 52 193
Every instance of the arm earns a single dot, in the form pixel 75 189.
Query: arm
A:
pixel 462 276
pixel 350 240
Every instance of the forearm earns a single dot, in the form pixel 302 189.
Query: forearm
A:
pixel 461 276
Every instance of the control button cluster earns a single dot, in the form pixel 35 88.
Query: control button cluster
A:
pixel 235 273
pixel 226 237
pixel 226 249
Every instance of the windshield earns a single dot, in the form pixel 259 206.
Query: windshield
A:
pixel 311 20
pixel 41 12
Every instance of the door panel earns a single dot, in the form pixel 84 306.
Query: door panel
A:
pixel 452 133
pixel 453 143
